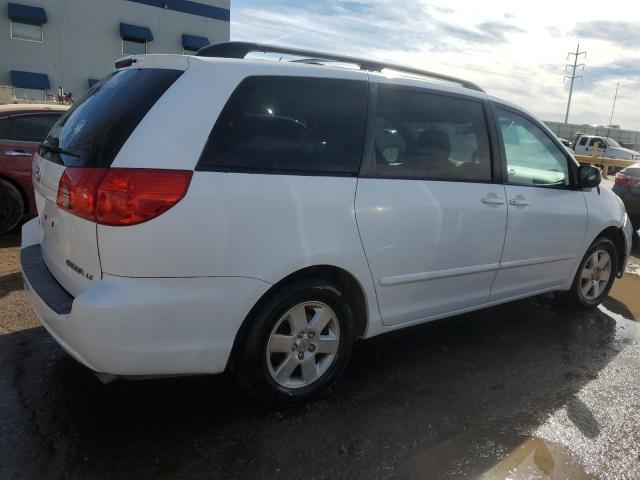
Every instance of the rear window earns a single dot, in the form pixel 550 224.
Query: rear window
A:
pixel 94 130
pixel 290 124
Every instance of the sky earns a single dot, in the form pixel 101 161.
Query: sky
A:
pixel 514 50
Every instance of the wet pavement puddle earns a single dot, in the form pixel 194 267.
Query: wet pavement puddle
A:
pixel 623 306
pixel 625 295
pixel 491 453
pixel 537 458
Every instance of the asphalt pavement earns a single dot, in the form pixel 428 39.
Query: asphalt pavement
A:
pixel 526 390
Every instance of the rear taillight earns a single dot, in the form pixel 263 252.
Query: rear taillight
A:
pixel 625 180
pixel 121 196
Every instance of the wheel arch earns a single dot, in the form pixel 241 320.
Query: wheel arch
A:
pixel 341 278
pixel 616 235
pixel 23 194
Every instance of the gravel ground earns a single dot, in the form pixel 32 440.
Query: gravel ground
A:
pixel 526 390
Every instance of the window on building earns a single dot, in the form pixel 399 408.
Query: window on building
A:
pixel 29 85
pixel 29 94
pixel 427 136
pixel 26 31
pixel 25 22
pixel 134 47
pixel 135 39
pixel 290 124
pixel 193 43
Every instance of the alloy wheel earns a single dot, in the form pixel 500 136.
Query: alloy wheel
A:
pixel 303 344
pixel 595 275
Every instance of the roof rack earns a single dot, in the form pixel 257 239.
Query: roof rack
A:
pixel 241 49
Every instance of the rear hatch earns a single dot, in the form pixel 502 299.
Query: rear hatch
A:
pixel 76 155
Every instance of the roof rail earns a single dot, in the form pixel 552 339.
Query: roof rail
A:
pixel 241 49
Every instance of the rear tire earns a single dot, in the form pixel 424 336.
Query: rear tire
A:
pixel 595 275
pixel 11 207
pixel 298 343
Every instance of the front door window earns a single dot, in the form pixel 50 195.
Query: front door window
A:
pixel 532 158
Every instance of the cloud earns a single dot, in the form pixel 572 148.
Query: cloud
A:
pixel 518 55
pixel 623 33
pixel 627 69
pixel 553 31
pixel 369 26
pixel 489 33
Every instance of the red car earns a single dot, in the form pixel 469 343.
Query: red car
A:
pixel 22 128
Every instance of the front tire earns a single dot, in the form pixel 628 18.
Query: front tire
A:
pixel 298 343
pixel 595 275
pixel 11 207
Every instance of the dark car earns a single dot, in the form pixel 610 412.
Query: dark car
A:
pixel 627 186
pixel 22 128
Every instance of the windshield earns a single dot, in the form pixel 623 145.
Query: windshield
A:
pixel 611 142
pixel 93 131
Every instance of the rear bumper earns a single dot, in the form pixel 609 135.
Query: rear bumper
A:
pixel 143 326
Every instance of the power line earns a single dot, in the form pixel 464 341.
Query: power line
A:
pixel 573 75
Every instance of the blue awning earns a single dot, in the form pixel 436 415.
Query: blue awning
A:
pixel 191 42
pixel 134 32
pixel 27 14
pixel 37 81
pixel 92 82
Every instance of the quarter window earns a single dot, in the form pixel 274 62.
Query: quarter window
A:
pixel 21 30
pixel 290 124
pixel 532 157
pixel 27 128
pixel 428 136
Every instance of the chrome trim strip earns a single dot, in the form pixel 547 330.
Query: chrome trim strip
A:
pixel 536 261
pixel 422 276
pixel 456 272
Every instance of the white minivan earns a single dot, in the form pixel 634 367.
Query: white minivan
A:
pixel 211 212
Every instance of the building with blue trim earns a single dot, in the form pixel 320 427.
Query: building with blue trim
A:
pixel 47 44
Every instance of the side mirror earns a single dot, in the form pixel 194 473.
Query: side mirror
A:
pixel 589 176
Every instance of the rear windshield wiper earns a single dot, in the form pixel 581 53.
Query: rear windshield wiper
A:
pixel 55 149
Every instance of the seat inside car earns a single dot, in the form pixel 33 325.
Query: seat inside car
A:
pixel 430 152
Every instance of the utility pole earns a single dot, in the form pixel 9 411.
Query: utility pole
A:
pixel 615 97
pixel 613 108
pixel 573 75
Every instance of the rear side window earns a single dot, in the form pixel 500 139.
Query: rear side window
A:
pixel 95 129
pixel 429 136
pixel 27 127
pixel 290 124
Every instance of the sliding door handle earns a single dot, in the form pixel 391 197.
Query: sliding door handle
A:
pixel 490 200
pixel 17 153
pixel 519 202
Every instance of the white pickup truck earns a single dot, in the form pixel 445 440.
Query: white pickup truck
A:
pixel 584 145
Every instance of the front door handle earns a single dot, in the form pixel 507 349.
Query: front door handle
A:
pixel 519 202
pixel 491 200
pixel 17 153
